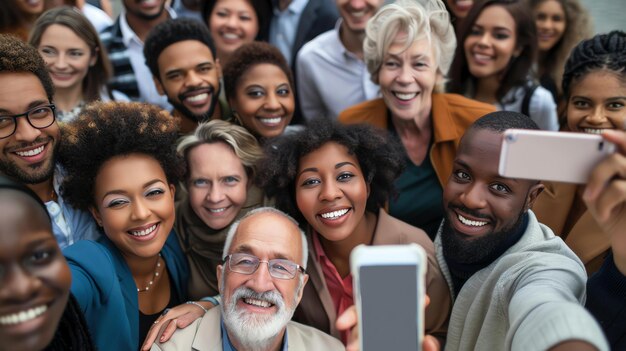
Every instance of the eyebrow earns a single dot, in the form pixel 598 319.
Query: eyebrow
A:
pixel 33 104
pixel 495 28
pixel 497 177
pixel 337 166
pixel 418 56
pixel 247 249
pixel 122 192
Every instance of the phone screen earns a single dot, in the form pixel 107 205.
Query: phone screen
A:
pixel 389 307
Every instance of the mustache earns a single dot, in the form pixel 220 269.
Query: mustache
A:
pixel 273 296
pixel 191 91
pixel 469 212
pixel 24 145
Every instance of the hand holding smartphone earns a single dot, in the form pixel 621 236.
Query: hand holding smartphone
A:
pixel 555 156
pixel 389 296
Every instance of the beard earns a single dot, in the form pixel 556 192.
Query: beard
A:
pixel 203 117
pixel 256 332
pixel 458 247
pixel 34 173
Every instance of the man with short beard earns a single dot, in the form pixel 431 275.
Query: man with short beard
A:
pixel 261 284
pixel 124 41
pixel 181 56
pixel 30 137
pixel 515 285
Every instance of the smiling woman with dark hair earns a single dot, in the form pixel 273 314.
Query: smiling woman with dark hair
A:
pixel 36 309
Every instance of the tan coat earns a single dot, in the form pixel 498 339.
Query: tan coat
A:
pixel 451 115
pixel 585 237
pixel 205 334
pixel 318 310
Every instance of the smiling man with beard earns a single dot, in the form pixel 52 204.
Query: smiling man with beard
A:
pixel 261 284
pixel 516 286
pixel 181 56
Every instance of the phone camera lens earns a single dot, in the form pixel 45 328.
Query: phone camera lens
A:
pixel 510 138
pixel 601 145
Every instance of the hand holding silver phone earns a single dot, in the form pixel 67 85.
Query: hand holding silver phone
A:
pixel 554 156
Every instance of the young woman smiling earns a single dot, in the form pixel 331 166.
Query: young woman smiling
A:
pixel 259 88
pixel 123 171
pixel 493 62
pixel 37 311
pixel 78 65
pixel 335 180
pixel 17 16
pixel 594 86
pixel 561 24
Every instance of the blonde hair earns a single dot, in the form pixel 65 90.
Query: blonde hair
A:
pixel 244 144
pixel 418 19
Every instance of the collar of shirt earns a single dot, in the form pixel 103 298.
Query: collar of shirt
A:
pixel 295 7
pixel 228 346
pixel 129 35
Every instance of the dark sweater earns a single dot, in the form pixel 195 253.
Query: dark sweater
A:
pixel 606 300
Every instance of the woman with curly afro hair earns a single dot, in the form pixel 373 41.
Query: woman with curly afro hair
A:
pixel 335 180
pixel 122 165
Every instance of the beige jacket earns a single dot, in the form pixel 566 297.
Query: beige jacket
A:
pixel 205 334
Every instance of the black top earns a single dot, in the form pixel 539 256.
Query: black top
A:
pixel 606 300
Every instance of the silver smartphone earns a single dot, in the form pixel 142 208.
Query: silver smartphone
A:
pixel 389 296
pixel 555 156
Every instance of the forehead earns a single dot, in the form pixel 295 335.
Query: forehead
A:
pixel 184 54
pixel 61 36
pixel 263 74
pixel 23 221
pixel 496 16
pixel 128 172
pixel 480 148
pixel 421 46
pixel 19 90
pixel 214 157
pixel 327 155
pixel 268 235
pixel 600 84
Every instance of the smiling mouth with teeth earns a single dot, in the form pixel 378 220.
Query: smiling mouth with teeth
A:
pixel 333 215
pixel 144 232
pixel 270 120
pixel 30 153
pixel 23 316
pixel 217 210
pixel 196 98
pixel 471 223
pixel 258 303
pixel 594 130
pixel 404 96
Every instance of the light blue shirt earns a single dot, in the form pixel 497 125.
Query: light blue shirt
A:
pixel 284 26
pixel 330 78
pixel 228 346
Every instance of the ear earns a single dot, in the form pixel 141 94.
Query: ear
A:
pixel 517 52
pixel 158 85
pixel 305 279
pixel 533 193
pixel 173 190
pixel 218 66
pixel 94 57
pixel 96 215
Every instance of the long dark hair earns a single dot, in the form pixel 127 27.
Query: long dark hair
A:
pixel 72 333
pixel 517 72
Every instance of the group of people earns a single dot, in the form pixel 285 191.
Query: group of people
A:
pixel 150 166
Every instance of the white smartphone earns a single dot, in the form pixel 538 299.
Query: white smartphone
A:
pixel 555 156
pixel 389 296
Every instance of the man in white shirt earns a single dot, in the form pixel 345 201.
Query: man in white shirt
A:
pixel 331 74
pixel 124 42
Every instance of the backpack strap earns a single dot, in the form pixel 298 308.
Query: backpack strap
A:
pixel 526 102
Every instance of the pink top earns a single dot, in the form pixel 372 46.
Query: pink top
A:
pixel 340 289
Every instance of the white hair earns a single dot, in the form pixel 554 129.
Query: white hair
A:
pixel 418 19
pixel 233 230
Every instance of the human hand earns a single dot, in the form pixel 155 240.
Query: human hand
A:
pixel 177 317
pixel 349 320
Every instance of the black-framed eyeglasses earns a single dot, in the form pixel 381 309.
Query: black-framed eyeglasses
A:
pixel 39 117
pixel 248 264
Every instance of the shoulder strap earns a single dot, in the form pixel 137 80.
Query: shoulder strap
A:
pixel 526 102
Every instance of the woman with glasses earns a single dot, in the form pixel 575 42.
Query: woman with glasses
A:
pixel 335 180
pixel 123 171
pixel 75 58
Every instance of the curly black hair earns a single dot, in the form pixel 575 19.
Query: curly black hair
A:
pixel 248 56
pixel 106 130
pixel 171 32
pixel 604 51
pixel 19 57
pixel 380 158
pixel 499 121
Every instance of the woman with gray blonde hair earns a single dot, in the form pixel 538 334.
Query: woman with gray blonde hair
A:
pixel 408 50
pixel 220 163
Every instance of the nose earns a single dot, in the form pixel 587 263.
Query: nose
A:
pixel 261 280
pixel 272 103
pixel 597 116
pixel 215 194
pixel 193 79
pixel 473 197
pixel 61 61
pixel 232 21
pixel 24 131
pixel 19 285
pixel 139 210
pixel 357 4
pixel 485 40
pixel 405 74
pixel 330 192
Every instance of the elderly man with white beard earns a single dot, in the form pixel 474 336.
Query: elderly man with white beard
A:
pixel 261 284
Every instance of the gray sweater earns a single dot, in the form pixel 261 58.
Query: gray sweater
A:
pixel 530 298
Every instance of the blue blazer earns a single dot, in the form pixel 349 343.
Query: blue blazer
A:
pixel 107 294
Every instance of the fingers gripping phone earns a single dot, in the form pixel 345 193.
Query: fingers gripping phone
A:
pixel 389 296
pixel 555 156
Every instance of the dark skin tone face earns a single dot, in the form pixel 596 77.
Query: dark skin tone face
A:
pixel 34 276
pixel 482 208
